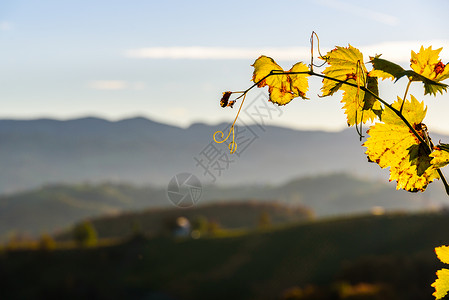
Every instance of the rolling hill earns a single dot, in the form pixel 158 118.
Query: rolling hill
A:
pixel 374 257
pixel 227 215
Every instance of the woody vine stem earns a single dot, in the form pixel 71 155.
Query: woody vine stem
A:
pixel 425 142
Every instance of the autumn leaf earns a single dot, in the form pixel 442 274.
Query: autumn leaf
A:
pixel 427 68
pixel 428 64
pixel 392 144
pixel 263 67
pixel 441 284
pixel 346 64
pixel 280 96
pixel 384 69
pixel 299 83
pixel 224 102
pixel 440 157
pixel 283 87
pixel 443 254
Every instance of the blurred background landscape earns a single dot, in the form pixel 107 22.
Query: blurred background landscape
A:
pixel 87 196
pixel 105 103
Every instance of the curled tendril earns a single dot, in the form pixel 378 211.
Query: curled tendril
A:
pixel 319 52
pixel 360 74
pixel 232 145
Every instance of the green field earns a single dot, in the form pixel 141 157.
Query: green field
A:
pixel 367 257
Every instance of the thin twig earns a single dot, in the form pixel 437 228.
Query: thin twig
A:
pixel 443 179
pixel 405 94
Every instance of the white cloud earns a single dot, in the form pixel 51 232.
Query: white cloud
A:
pixel 178 112
pixel 360 11
pixel 108 84
pixel 401 51
pixel 116 85
pixel 395 51
pixel 291 53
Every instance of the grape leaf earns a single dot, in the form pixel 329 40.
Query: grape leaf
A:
pixel 426 65
pixel 430 86
pixel 370 102
pixel 440 155
pixel 346 64
pixel 441 284
pixel 443 254
pixel 356 110
pixel 392 144
pixel 299 83
pixel 280 96
pixel 262 68
pixel 384 69
pixel 283 87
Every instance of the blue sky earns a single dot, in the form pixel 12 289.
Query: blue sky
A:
pixel 171 60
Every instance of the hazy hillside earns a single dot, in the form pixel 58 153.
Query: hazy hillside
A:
pixel 56 207
pixel 390 257
pixel 337 194
pixel 226 215
pixel 141 151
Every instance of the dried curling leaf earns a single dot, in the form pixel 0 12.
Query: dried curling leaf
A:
pixel 224 102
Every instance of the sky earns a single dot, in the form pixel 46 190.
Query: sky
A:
pixel 170 61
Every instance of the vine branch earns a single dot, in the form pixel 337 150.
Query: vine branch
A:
pixel 427 147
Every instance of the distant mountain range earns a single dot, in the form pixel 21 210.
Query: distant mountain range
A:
pixel 140 151
pixel 55 173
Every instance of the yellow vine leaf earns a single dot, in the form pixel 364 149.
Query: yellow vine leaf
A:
pixel 283 87
pixel 441 284
pixel 392 144
pixel 381 74
pixel 385 69
pixel 443 254
pixel 356 110
pixel 346 64
pixel 299 83
pixel 280 96
pixel 262 68
pixel 440 157
pixel 428 64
